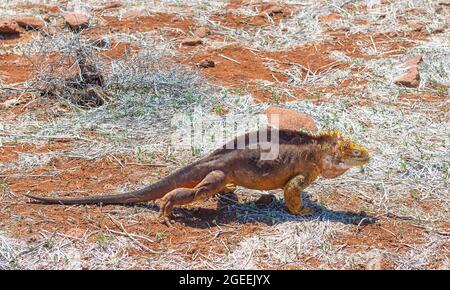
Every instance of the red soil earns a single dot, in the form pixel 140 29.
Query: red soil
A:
pixel 119 50
pixel 41 8
pixel 235 64
pixel 141 24
pixel 77 177
pixel 14 68
pixel 10 152
pixel 268 14
pixel 330 17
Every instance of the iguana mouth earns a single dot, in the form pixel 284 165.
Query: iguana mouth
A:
pixel 356 161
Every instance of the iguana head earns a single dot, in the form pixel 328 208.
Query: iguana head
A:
pixel 341 154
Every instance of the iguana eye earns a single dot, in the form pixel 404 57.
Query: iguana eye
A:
pixel 356 152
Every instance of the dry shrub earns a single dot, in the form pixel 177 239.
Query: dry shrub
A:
pixel 73 69
pixel 74 73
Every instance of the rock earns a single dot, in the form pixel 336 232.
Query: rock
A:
pixel 102 42
pixel 206 63
pixel 28 22
pixel 85 265
pixel 191 41
pixel 265 200
pixel 76 20
pixel 290 119
pixel 410 79
pixel 271 11
pixel 201 32
pixel 9 27
pixel 414 61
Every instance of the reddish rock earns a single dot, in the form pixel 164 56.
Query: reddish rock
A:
pixel 206 63
pixel 410 79
pixel 201 32
pixel 9 27
pixel 28 22
pixel 191 41
pixel 290 119
pixel 76 20
pixel 271 11
pixel 413 61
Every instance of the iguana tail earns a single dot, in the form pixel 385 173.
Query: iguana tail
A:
pixel 184 177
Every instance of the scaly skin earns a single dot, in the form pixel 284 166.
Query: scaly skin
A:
pixel 302 158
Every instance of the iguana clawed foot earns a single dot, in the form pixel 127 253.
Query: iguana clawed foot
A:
pixel 165 220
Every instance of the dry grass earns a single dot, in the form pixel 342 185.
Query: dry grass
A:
pixel 410 139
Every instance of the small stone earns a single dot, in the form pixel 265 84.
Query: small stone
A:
pixel 103 42
pixel 206 63
pixel 28 22
pixel 274 10
pixel 201 32
pixel 76 20
pixel 410 79
pixel 85 265
pixel 414 61
pixel 290 119
pixel 191 41
pixel 9 27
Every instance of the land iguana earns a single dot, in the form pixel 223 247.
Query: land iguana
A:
pixel 302 157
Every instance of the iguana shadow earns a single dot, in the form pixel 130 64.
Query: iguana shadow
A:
pixel 230 210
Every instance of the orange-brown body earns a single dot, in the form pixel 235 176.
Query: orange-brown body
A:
pixel 301 158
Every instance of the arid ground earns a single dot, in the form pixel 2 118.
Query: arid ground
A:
pixel 88 90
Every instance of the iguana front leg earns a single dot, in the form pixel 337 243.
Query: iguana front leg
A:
pixel 293 195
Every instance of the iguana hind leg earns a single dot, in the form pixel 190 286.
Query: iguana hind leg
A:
pixel 293 195
pixel 213 183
